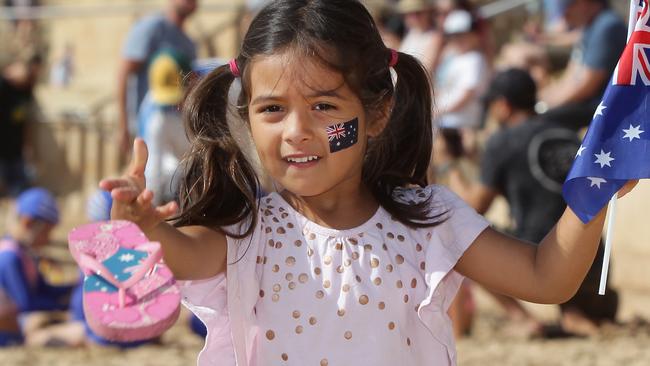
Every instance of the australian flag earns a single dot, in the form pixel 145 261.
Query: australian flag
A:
pixel 343 135
pixel 616 148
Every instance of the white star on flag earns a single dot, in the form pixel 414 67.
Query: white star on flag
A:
pixel 633 132
pixel 596 181
pixel 603 159
pixel 599 111
pixel 126 257
pixel 580 150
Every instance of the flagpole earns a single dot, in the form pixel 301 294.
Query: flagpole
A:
pixel 612 203
pixel 608 244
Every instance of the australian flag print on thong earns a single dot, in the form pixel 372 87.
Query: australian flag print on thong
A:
pixel 616 148
pixel 343 135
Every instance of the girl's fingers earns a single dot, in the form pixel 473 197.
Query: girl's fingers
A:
pixel 144 199
pixel 167 210
pixel 139 160
pixel 125 194
pixel 109 184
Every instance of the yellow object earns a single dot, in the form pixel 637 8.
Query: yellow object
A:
pixel 165 80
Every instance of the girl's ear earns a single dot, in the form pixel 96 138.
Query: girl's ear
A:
pixel 379 118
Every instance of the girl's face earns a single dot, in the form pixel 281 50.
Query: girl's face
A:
pixel 292 103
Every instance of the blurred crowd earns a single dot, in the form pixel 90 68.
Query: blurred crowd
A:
pixel 508 122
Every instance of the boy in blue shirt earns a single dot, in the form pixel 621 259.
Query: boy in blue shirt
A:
pixel 22 288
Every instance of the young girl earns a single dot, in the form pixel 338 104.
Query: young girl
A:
pixel 355 260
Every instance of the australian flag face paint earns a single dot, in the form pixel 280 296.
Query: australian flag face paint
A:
pixel 343 135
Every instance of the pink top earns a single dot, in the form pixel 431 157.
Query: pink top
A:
pixel 301 294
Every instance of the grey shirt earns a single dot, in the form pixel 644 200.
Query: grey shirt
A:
pixel 149 36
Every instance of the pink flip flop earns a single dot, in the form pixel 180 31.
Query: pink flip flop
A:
pixel 129 294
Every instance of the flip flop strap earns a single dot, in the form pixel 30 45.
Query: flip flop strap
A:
pixel 90 265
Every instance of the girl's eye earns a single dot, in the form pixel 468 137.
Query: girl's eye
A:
pixel 324 107
pixel 270 109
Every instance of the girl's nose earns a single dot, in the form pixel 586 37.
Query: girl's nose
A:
pixel 297 128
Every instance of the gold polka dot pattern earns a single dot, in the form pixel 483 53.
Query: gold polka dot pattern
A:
pixel 270 335
pixel 363 299
pixel 316 280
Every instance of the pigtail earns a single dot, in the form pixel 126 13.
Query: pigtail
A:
pixel 401 154
pixel 220 185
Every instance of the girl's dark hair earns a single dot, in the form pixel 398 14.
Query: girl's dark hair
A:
pixel 220 185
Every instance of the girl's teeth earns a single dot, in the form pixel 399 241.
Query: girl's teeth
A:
pixel 302 160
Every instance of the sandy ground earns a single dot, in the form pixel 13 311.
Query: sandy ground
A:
pixel 489 344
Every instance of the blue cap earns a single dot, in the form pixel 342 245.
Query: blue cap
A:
pixel 39 204
pixel 99 206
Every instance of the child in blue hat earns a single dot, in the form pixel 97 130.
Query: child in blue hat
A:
pixel 75 331
pixel 22 289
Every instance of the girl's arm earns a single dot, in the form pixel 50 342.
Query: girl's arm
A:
pixel 548 273
pixel 193 252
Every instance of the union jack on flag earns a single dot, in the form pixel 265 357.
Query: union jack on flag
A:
pixel 634 64
pixel 335 132
pixel 616 147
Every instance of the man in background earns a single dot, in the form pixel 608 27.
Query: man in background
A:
pixel 526 161
pixel 146 39
pixel 574 98
pixel 17 119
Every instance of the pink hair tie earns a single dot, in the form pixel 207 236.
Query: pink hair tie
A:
pixel 394 57
pixel 234 69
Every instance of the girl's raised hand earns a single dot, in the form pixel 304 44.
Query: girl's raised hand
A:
pixel 131 200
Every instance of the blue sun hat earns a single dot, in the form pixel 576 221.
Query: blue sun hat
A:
pixel 39 204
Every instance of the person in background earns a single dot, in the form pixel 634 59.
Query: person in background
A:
pixel 146 38
pixel 162 123
pixel 445 7
pixel 461 78
pixel 17 120
pixel 422 40
pixel 23 290
pixel 391 27
pixel 526 161
pixel 62 70
pixel 573 99
pixel 73 331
